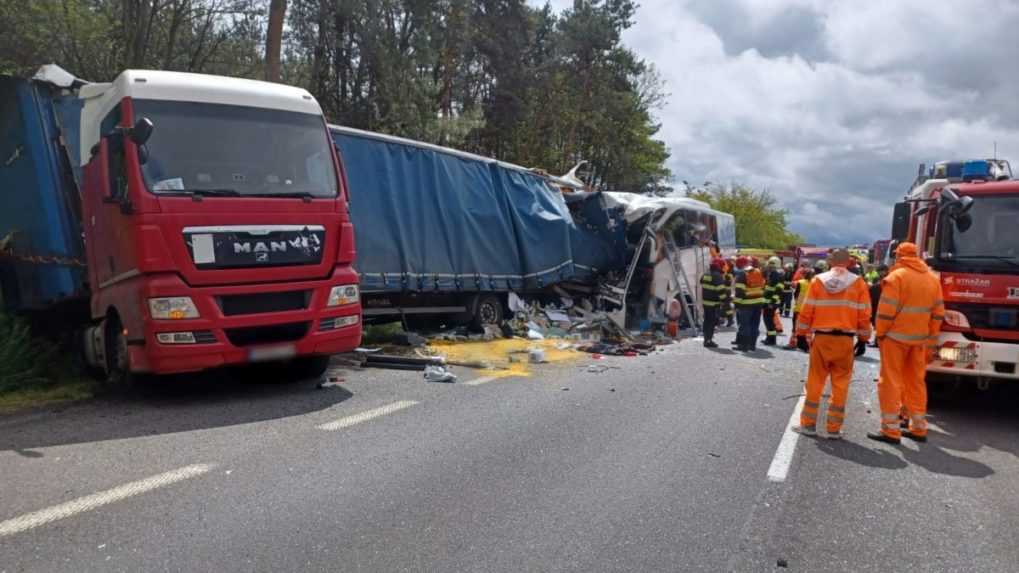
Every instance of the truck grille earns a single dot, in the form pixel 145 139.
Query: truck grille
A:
pixel 238 304
pixel 267 334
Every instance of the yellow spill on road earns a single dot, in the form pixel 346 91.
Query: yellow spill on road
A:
pixel 508 357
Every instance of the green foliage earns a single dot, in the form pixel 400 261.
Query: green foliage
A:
pixel 24 360
pixel 96 39
pixel 378 334
pixel 760 223
pixel 496 77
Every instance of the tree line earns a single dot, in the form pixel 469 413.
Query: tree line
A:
pixel 496 77
pixel 760 221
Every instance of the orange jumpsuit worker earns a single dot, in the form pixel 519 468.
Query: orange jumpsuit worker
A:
pixel 836 311
pixel 909 317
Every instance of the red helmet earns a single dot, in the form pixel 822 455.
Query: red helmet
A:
pixel 742 262
pixel 755 262
pixel 717 264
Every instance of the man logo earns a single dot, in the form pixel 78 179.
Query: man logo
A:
pixel 261 257
pixel 949 280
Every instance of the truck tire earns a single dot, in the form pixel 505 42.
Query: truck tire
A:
pixel 308 367
pixel 486 311
pixel 79 359
pixel 118 371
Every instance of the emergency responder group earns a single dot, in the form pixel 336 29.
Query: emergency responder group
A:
pixel 836 309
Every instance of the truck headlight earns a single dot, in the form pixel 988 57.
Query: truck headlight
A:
pixel 173 308
pixel 343 295
pixel 956 354
pixel 956 319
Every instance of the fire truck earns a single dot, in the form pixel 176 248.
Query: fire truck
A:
pixel 962 216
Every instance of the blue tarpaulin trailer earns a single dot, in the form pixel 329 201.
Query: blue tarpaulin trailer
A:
pixel 441 231
pixel 41 249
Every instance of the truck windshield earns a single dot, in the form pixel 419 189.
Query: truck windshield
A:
pixel 232 150
pixel 992 239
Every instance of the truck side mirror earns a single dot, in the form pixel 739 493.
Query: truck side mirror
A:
pixel 963 221
pixel 965 204
pixel 142 131
pixel 900 221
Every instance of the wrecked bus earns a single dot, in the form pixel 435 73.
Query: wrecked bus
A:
pixel 670 243
pixel 185 221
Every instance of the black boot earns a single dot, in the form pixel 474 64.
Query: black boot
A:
pixel 879 437
pixel 914 437
pixel 769 341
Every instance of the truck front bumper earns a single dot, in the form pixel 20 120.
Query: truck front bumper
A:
pixel 225 337
pixel 975 359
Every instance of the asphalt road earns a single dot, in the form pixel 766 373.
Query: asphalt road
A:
pixel 658 463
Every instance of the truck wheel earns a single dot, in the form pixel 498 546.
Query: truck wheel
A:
pixel 487 311
pixel 308 367
pixel 79 359
pixel 118 370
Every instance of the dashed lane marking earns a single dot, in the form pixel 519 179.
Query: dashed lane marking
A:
pixel 97 500
pixel 485 380
pixel 787 447
pixel 367 415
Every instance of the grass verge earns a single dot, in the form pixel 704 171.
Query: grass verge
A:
pixel 38 396
pixel 35 371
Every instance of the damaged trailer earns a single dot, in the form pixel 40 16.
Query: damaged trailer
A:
pixel 446 234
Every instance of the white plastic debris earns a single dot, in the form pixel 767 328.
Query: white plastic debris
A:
pixel 438 374
pixel 515 303
pixel 537 355
pixel 557 316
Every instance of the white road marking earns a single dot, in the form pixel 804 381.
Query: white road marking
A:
pixel 779 468
pixel 481 380
pixel 367 415
pixel 97 500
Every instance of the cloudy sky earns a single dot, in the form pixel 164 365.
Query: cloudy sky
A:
pixel 831 104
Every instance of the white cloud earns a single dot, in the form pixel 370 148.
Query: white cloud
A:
pixel 831 105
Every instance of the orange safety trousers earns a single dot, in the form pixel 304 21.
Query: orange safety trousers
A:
pixel 902 385
pixel 830 355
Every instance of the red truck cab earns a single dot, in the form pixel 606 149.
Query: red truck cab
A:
pixel 216 226
pixel 966 231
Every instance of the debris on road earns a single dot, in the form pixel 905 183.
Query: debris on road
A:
pixel 438 374
pixel 333 381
